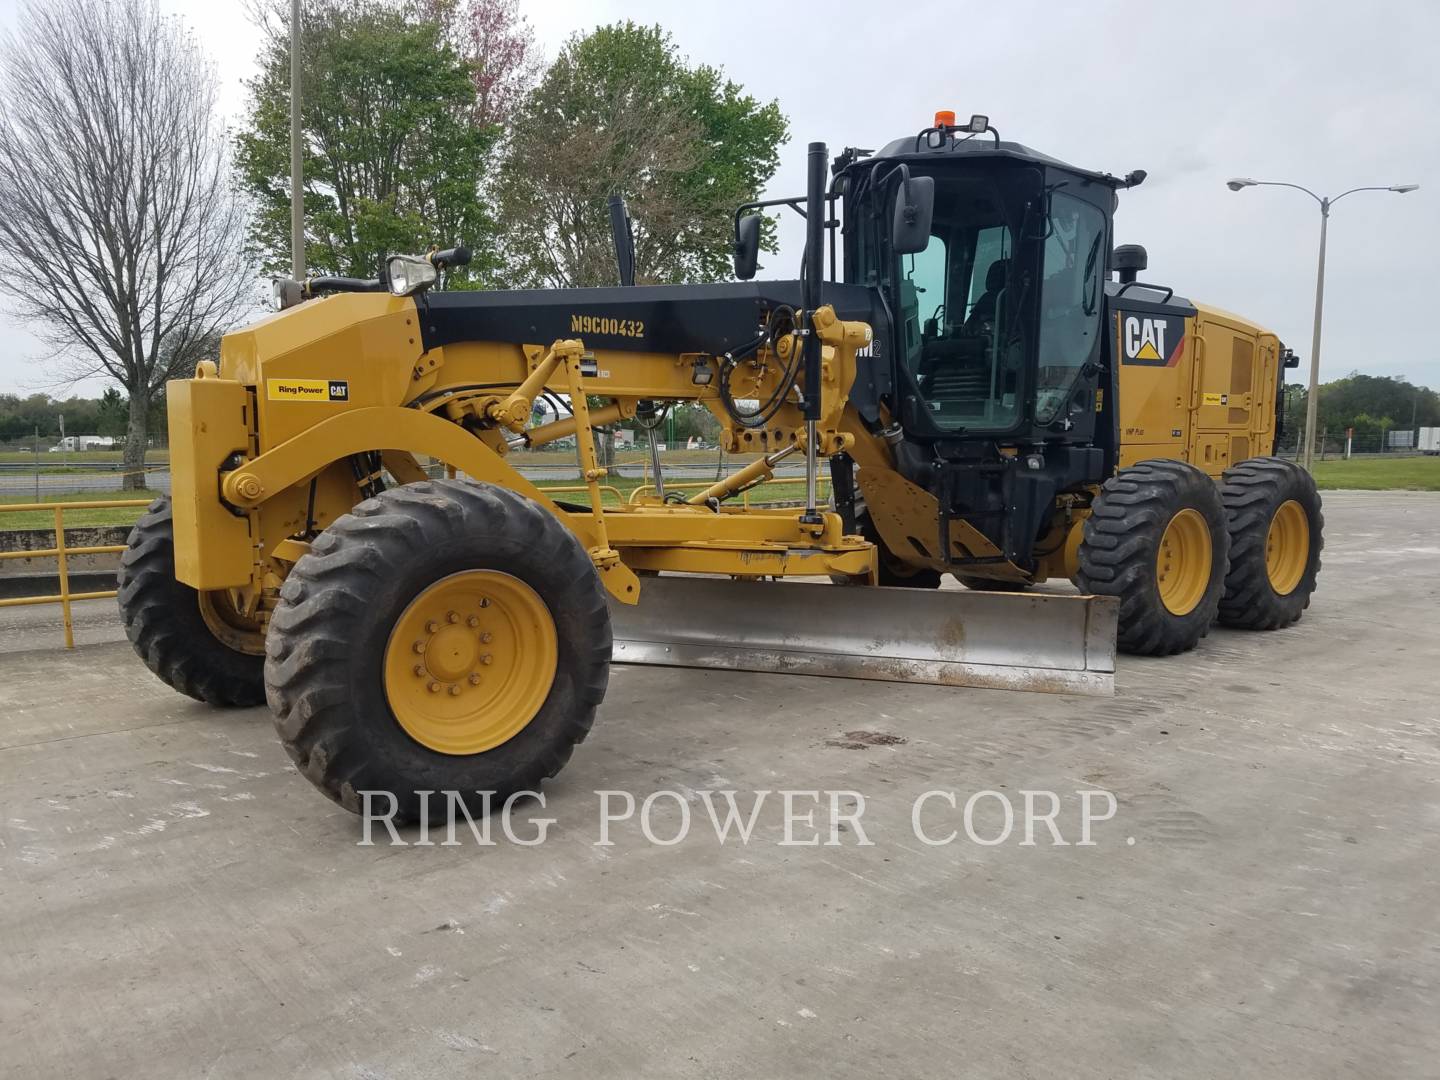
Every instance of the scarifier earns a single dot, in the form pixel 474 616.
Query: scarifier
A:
pixel 989 403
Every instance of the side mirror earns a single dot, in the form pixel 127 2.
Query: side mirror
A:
pixel 747 246
pixel 914 210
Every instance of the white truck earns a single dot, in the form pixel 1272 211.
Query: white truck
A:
pixel 1430 440
pixel 76 443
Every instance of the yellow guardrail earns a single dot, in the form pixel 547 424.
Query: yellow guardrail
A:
pixel 61 554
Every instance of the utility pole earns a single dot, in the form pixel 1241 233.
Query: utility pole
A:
pixel 297 178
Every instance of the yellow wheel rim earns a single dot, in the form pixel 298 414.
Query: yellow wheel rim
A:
pixel 222 616
pixel 470 662
pixel 1182 571
pixel 1287 547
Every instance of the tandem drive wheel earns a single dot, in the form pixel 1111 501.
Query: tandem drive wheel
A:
pixel 442 636
pixel 1276 533
pixel 1156 539
pixel 197 643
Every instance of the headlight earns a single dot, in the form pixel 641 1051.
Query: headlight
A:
pixel 287 293
pixel 409 274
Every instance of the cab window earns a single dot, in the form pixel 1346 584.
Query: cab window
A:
pixel 1071 296
pixel 922 288
pixel 964 343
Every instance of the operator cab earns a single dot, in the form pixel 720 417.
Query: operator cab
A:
pixel 999 317
pixel 984 264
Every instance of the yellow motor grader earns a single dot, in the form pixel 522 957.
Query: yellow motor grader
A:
pixel 989 403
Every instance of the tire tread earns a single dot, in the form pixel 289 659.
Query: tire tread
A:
pixel 312 629
pixel 162 620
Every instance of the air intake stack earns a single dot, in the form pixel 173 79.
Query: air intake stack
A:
pixel 1127 262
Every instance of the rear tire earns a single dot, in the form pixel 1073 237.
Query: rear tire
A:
pixel 1276 531
pixel 1156 539
pixel 332 666
pixel 164 623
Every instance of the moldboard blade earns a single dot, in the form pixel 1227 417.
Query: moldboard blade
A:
pixel 948 637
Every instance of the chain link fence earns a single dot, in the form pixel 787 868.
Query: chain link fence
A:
pixel 31 475
pixel 41 468
pixel 1399 442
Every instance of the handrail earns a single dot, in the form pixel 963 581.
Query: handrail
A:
pixel 636 496
pixel 568 489
pixel 61 554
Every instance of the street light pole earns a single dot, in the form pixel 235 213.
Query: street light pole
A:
pixel 1312 397
pixel 297 178
pixel 1312 394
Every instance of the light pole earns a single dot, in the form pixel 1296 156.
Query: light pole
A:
pixel 1312 394
pixel 297 180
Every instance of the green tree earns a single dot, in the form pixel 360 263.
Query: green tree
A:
pixel 393 158
pixel 1363 401
pixel 112 414
pixel 21 417
pixel 621 112
pixel 688 420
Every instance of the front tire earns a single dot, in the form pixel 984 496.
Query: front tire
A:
pixel 173 633
pixel 1156 539
pixel 442 636
pixel 1276 531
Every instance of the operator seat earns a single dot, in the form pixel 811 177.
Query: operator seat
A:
pixel 984 309
pixel 958 369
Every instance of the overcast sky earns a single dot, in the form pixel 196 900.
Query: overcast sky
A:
pixel 1328 95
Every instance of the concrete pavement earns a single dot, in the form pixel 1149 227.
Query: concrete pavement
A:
pixel 176 901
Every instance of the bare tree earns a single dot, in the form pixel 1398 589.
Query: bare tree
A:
pixel 125 236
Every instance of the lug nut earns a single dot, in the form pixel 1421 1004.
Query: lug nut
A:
pixel 485 602
pixel 474 678
pixel 419 669
pixel 453 617
pixel 455 691
pixel 419 646
pixel 485 638
pixel 434 687
pixel 432 626
pixel 487 659
pixel 473 621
